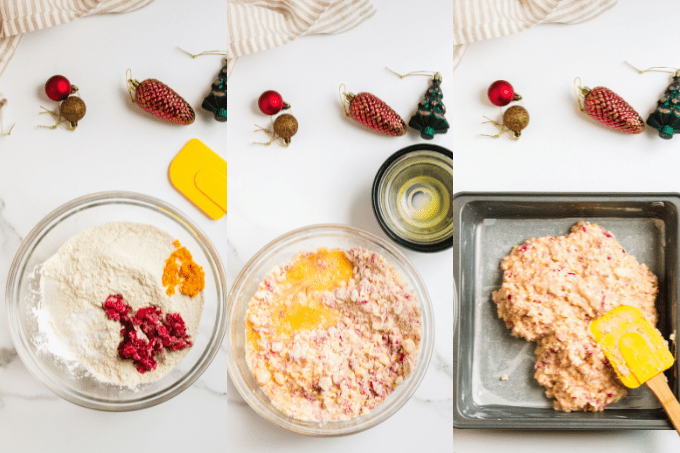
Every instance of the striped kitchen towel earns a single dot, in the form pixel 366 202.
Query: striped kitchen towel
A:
pixel 21 16
pixel 256 25
pixel 475 20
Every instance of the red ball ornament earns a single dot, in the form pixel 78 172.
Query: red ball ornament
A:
pixel 59 88
pixel 271 103
pixel 501 93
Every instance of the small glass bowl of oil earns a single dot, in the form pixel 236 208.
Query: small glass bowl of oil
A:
pixel 412 197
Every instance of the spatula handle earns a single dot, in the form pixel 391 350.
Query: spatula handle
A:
pixel 659 387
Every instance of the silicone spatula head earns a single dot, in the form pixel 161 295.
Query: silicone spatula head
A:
pixel 636 350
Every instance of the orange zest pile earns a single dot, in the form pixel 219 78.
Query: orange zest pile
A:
pixel 180 269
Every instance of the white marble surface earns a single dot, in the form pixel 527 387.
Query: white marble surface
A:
pixel 563 150
pixel 325 176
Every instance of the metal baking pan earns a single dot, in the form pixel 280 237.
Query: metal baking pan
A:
pixel 486 227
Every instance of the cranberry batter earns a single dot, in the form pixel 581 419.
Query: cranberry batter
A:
pixel 332 333
pixel 552 289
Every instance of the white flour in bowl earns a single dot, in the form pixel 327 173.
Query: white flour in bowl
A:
pixel 124 259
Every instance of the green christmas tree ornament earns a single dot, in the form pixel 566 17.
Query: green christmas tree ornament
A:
pixel 216 101
pixel 429 119
pixel 666 116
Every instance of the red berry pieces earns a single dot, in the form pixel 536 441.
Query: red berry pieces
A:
pixel 116 307
pixel 169 334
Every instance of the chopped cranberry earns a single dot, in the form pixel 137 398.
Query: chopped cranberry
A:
pixel 116 307
pixel 169 334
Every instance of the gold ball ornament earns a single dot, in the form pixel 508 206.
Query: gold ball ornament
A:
pixel 285 126
pixel 72 109
pixel 516 118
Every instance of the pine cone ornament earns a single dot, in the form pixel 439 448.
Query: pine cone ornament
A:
pixel 666 116
pixel 611 110
pixel 373 113
pixel 429 119
pixel 216 101
pixel 162 101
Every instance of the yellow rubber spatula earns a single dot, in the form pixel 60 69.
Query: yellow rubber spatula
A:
pixel 200 174
pixel 638 353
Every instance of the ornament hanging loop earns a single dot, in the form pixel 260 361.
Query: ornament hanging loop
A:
pixel 272 135
pixel 674 71
pixel 434 75
pixel 502 129
pixel 5 134
pixel 68 125
pixel 580 92
pixel 266 131
pixel 205 52
pixel 345 98
pixel 131 83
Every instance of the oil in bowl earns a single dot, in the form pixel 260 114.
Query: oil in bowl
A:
pixel 412 195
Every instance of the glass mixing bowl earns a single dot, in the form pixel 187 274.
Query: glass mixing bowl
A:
pixel 71 381
pixel 278 252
